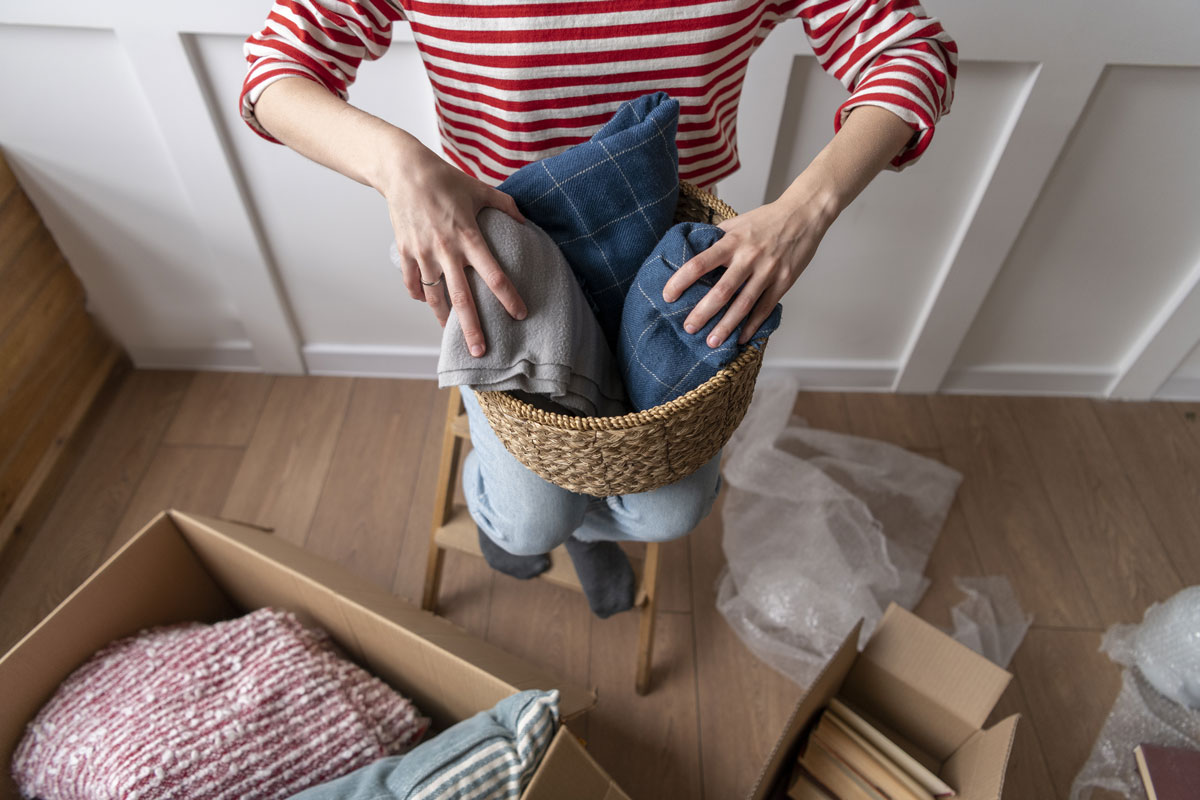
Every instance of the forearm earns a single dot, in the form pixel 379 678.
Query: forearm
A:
pixel 321 126
pixel 866 143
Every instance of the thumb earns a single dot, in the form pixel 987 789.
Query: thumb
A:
pixel 508 205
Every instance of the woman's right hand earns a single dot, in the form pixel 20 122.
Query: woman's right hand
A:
pixel 433 208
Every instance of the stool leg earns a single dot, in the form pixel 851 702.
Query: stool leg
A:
pixel 646 627
pixel 452 445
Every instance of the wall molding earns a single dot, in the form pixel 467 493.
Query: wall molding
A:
pixel 372 361
pixel 1179 388
pixel 848 375
pixel 1028 379
pixel 237 356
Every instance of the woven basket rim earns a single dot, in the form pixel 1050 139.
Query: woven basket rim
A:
pixel 633 419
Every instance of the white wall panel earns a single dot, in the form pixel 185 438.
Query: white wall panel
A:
pixel 1190 368
pixel 1184 384
pixel 78 133
pixel 878 261
pixel 328 235
pixel 1111 237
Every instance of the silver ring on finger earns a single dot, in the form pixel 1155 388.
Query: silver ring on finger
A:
pixel 433 283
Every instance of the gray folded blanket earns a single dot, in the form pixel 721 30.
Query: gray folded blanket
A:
pixel 558 351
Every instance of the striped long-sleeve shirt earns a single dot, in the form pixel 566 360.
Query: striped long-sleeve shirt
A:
pixel 516 81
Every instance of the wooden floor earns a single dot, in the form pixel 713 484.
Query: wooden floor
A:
pixel 1092 509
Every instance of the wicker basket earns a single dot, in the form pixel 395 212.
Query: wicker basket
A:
pixel 604 456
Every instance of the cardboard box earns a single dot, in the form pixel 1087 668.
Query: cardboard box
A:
pixel 182 567
pixel 927 691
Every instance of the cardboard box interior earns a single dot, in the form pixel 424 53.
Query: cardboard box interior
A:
pixel 182 567
pixel 929 693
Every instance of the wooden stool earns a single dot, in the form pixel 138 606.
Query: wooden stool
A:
pixel 454 529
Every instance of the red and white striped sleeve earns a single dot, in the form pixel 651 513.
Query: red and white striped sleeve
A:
pixel 322 40
pixel 888 53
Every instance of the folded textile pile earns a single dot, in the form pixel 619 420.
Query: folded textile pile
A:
pixel 607 205
pixel 256 708
pixel 607 202
pixel 492 755
pixel 659 359
pixel 557 351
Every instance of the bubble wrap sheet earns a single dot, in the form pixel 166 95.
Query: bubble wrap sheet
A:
pixel 989 619
pixel 1159 701
pixel 821 529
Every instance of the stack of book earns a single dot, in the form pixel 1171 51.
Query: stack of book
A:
pixel 847 758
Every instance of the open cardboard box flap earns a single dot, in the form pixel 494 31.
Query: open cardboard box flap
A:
pixel 930 692
pixel 569 771
pixel 182 567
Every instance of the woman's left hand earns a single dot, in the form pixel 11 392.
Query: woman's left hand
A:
pixel 763 252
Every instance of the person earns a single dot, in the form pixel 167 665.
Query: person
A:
pixel 515 81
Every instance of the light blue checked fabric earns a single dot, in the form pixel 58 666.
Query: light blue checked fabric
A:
pixel 607 201
pixel 490 756
pixel 659 360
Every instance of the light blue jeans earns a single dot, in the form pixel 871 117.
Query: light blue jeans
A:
pixel 527 515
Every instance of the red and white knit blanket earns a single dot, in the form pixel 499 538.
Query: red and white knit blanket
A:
pixel 256 707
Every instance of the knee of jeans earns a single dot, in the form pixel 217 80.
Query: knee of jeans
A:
pixel 677 519
pixel 534 530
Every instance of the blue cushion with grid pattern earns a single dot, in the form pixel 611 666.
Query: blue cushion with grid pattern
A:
pixel 659 360
pixel 607 202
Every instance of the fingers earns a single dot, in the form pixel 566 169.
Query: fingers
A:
pixel 731 284
pixel 434 295
pixel 762 310
pixel 458 290
pixel 700 265
pixel 412 278
pixel 480 258
pixel 507 204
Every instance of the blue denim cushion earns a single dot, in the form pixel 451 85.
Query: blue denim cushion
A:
pixel 607 201
pixel 659 360
pixel 493 754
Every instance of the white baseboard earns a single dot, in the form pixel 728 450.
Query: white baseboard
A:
pixel 371 361
pixel 237 356
pixel 836 376
pixel 1181 388
pixel 1025 379
pixel 393 361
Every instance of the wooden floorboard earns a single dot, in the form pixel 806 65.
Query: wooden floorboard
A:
pixel 1089 508
pixel 1070 687
pixel 187 478
pixel 409 577
pixel 1162 461
pixel 547 624
pixel 900 419
pixel 1012 523
pixel 220 408
pixel 648 744
pixel 283 470
pixel 1119 555
pixel 365 499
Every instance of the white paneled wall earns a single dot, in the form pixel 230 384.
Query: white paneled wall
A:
pixel 1046 243
pixel 85 145
pixel 1112 236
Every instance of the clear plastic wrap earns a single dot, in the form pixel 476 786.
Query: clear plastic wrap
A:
pixel 989 620
pixel 821 529
pixel 1159 701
